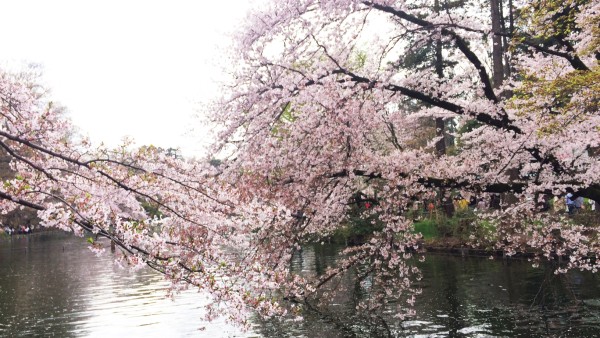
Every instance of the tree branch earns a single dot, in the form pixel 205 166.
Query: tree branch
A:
pixel 460 43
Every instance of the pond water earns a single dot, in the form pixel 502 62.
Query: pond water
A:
pixel 52 285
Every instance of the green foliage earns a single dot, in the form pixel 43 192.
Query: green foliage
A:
pixel 359 225
pixel 463 226
pixel 469 126
pixel 574 91
pixel 420 58
pixel 360 60
pixel 215 162
pixel 357 229
pixel 288 115
pixel 552 18
pixel 428 228
pixel 152 209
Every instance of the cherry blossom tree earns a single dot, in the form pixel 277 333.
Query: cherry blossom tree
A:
pixel 322 111
pixel 322 108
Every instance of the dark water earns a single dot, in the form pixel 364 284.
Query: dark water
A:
pixel 52 285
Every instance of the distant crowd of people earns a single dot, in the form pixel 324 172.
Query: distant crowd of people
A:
pixel 574 205
pixel 18 231
pixel 464 202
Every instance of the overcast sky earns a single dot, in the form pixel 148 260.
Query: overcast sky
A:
pixel 123 67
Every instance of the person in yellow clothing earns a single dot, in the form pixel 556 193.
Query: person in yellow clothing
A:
pixel 461 204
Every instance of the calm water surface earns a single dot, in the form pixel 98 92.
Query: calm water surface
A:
pixel 52 285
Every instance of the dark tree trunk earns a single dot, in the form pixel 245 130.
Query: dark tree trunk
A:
pixel 440 125
pixel 497 53
pixel 507 70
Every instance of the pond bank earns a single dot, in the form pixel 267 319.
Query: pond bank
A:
pixel 4 236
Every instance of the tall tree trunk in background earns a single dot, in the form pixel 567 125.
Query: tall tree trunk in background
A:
pixel 440 125
pixel 497 52
pixel 506 33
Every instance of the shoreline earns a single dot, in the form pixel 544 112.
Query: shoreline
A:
pixel 4 236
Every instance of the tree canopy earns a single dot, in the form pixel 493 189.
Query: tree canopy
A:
pixel 324 108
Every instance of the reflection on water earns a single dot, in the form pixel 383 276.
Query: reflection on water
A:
pixel 52 285
pixel 476 296
pixel 462 297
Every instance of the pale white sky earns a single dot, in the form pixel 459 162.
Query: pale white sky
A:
pixel 125 67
